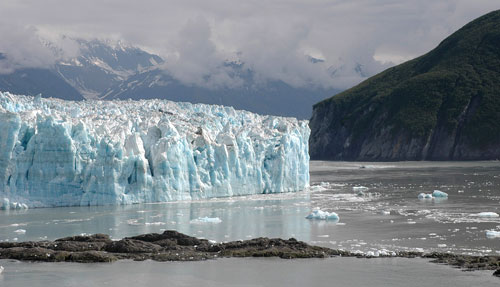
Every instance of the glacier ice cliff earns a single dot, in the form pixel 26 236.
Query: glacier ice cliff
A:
pixel 63 153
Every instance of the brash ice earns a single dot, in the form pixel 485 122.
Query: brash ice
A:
pixel 64 153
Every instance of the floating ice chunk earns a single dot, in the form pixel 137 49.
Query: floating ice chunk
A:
pixel 439 193
pixel 492 234
pixel 360 188
pixel 323 215
pixel 133 222
pixel 424 196
pixel 155 223
pixel 20 231
pixel 385 212
pixel 1 269
pixel 436 194
pixel 206 220
pixel 486 215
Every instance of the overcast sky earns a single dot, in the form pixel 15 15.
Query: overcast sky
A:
pixel 275 38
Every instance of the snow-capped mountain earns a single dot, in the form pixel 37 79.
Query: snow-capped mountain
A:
pixel 103 65
pixel 110 70
pixel 272 97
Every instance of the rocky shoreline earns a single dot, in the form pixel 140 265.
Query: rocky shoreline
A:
pixel 174 246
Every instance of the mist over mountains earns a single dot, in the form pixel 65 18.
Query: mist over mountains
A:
pixel 105 70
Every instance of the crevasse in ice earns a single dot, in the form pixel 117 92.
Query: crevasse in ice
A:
pixel 62 153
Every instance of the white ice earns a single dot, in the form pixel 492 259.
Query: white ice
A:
pixel 486 214
pixel 435 194
pixel 439 193
pixel 62 153
pixel 206 220
pixel 323 215
pixel 492 234
pixel 425 196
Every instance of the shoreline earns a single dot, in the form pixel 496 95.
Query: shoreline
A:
pixel 174 246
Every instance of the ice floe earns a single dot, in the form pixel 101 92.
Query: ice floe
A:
pixel 323 215
pixel 492 234
pixel 439 193
pixel 486 214
pixel 206 219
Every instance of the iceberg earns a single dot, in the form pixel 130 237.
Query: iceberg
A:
pixel 492 234
pixel 63 153
pixel 486 214
pixel 323 215
pixel 439 193
pixel 206 219
pixel 424 196
pixel 436 194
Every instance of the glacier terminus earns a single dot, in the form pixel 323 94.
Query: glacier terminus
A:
pixel 64 153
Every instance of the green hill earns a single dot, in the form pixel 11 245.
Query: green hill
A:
pixel 444 105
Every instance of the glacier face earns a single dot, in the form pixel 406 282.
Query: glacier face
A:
pixel 62 153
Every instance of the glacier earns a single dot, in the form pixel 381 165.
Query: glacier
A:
pixel 64 153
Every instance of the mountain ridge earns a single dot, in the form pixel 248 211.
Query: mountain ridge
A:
pixel 105 71
pixel 444 105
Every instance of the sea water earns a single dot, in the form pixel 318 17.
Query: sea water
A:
pixel 377 204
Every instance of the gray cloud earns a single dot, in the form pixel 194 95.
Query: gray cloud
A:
pixel 274 38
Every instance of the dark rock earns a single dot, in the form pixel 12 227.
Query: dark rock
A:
pixel 131 246
pixel 175 246
pixel 171 236
pixel 497 273
pixel 87 238
pixel 90 257
pixel 28 254
pixel 76 246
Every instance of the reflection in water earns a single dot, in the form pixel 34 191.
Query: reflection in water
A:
pixel 241 218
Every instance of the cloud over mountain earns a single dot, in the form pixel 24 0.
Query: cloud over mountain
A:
pixel 302 43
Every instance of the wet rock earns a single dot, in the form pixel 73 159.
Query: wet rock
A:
pixel 77 246
pixel 168 237
pixel 174 246
pixel 28 254
pixel 497 273
pixel 99 237
pixel 131 246
pixel 90 257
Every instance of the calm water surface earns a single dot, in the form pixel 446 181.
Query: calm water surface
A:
pixel 334 272
pixel 387 216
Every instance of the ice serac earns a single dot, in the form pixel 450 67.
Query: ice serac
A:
pixel 62 153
